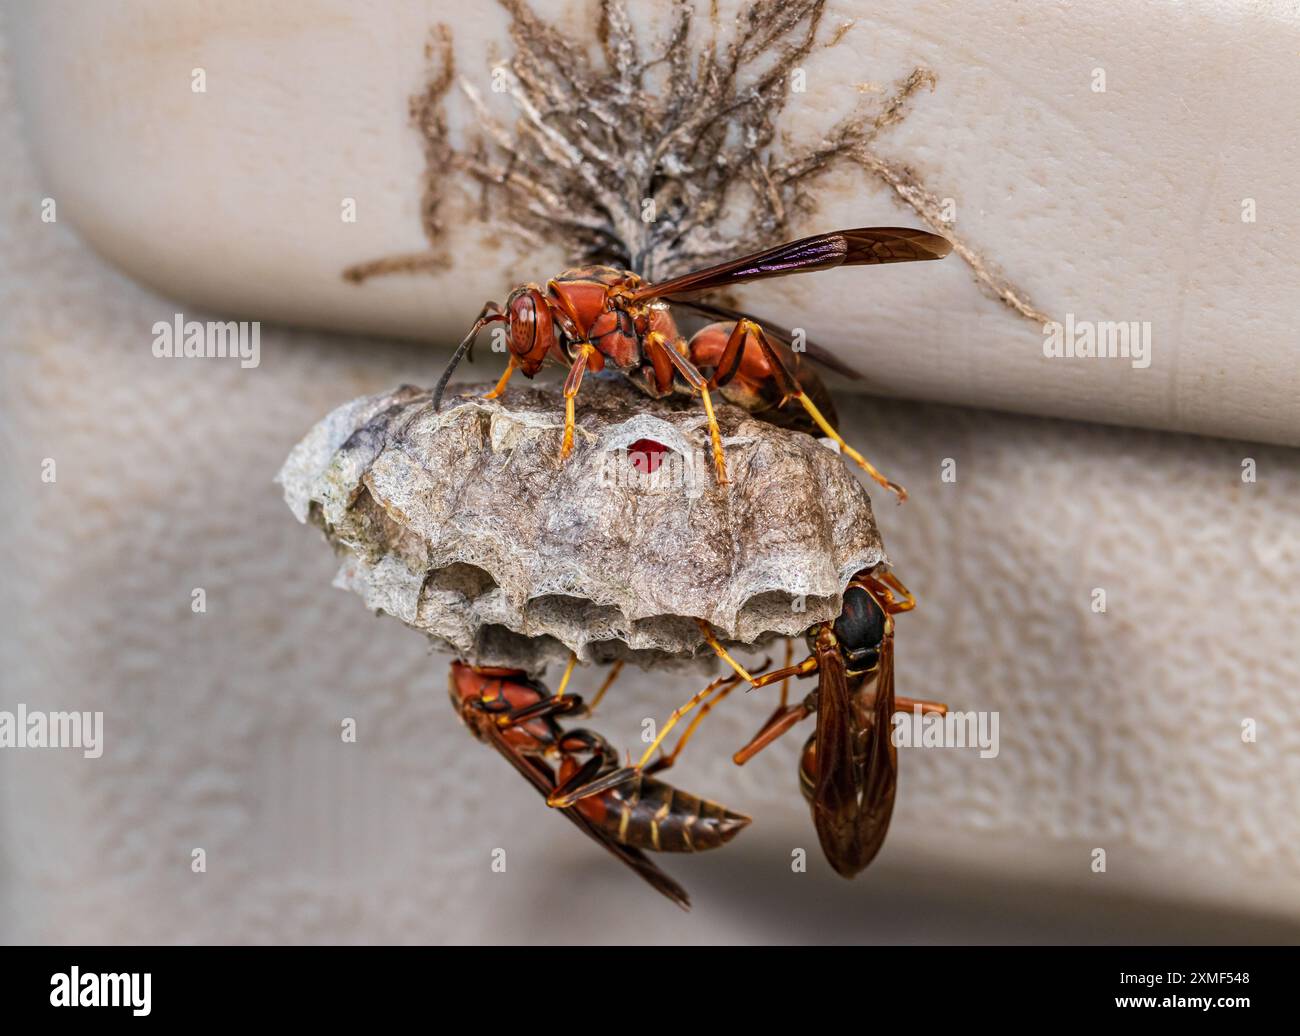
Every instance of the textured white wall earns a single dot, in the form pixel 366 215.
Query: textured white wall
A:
pixel 1118 730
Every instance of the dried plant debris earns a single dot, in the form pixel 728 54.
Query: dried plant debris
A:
pixel 429 117
pixel 685 129
pixel 465 523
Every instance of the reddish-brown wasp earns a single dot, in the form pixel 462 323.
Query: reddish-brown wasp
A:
pixel 518 717
pixel 594 316
pixel 848 769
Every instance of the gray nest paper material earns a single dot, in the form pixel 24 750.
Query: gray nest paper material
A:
pixel 466 525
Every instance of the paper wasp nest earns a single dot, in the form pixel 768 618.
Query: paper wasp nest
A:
pixel 466 524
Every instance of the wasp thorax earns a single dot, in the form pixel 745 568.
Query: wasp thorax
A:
pixel 860 629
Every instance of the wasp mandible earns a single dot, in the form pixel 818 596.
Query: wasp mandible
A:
pixel 597 316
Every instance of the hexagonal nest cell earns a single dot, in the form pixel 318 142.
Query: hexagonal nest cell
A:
pixel 467 525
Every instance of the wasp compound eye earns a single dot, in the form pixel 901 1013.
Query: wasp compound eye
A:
pixel 531 330
pixel 523 324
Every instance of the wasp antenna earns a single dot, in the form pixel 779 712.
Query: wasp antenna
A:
pixel 467 343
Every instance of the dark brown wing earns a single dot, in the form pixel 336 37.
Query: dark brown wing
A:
pixel 543 779
pixel 879 772
pixel 835 792
pixel 857 769
pixel 865 246
pixel 774 331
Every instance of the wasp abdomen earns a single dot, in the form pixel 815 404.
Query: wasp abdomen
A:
pixel 650 814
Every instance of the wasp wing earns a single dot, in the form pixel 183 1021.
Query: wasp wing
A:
pixel 540 775
pixel 879 767
pixel 864 246
pixel 776 332
pixel 857 763
pixel 835 791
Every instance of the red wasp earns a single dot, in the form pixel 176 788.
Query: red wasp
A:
pixel 848 769
pixel 518 717
pixel 592 316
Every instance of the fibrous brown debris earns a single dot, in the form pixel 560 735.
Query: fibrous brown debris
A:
pixel 664 156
